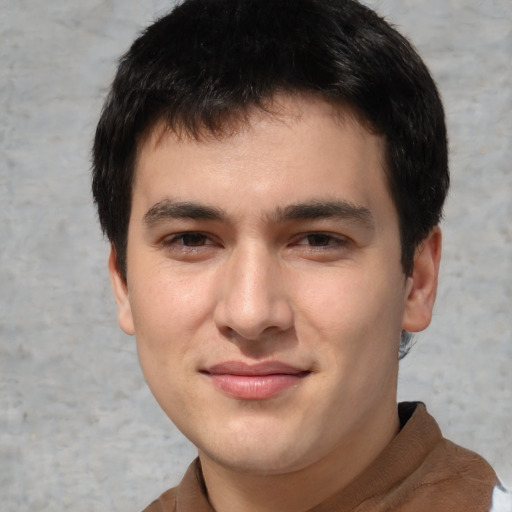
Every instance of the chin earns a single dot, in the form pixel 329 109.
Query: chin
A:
pixel 258 462
pixel 266 455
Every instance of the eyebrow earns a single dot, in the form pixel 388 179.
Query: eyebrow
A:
pixel 338 209
pixel 169 209
pixel 311 210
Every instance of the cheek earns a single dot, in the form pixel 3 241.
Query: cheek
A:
pixel 167 311
pixel 168 316
pixel 354 312
pixel 170 293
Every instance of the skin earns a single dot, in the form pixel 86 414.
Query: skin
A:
pixel 246 275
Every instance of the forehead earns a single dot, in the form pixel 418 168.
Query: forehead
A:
pixel 294 147
pixel 282 108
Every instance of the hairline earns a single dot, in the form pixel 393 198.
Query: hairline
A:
pixel 235 121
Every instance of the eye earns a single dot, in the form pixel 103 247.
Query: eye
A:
pixel 322 240
pixel 189 239
pixel 189 246
pixel 321 247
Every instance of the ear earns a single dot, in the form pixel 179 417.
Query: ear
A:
pixel 421 285
pixel 120 288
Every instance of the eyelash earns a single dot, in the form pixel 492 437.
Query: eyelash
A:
pixel 179 240
pixel 330 241
pixel 182 236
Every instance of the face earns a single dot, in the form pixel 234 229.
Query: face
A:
pixel 265 288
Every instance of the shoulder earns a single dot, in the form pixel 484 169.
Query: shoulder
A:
pixel 165 503
pixel 458 481
pixel 452 463
pixel 449 476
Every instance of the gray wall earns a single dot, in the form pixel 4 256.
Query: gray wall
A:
pixel 78 429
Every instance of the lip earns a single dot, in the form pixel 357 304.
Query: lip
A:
pixel 258 381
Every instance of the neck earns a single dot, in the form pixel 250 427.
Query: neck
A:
pixel 232 489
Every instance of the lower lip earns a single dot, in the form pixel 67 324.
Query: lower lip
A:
pixel 255 387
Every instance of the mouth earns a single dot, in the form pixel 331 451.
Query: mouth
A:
pixel 259 381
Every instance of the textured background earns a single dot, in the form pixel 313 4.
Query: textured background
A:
pixel 78 429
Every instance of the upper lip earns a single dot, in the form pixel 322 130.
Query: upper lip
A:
pixel 245 369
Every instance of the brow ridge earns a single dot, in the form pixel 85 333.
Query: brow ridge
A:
pixel 309 210
pixel 170 209
pixel 338 209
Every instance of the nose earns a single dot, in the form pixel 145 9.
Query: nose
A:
pixel 253 300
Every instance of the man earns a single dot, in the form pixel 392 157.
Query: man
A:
pixel 271 175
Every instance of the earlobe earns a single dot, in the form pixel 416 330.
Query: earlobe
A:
pixel 120 289
pixel 421 286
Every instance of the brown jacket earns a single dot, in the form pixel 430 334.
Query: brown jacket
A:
pixel 419 471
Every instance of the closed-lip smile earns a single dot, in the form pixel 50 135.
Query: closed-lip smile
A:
pixel 257 381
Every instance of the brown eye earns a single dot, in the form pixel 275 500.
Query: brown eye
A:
pixel 190 239
pixel 319 239
pixel 193 239
pixel 190 246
